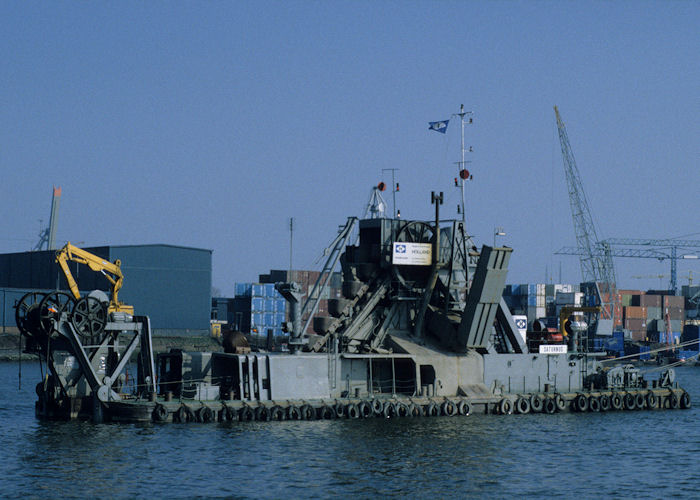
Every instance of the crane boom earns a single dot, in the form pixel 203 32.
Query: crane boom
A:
pixel 111 270
pixel 596 265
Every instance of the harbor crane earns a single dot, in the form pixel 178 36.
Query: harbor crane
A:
pixel 47 237
pixel 595 255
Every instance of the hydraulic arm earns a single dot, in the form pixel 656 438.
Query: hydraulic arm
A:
pixel 111 270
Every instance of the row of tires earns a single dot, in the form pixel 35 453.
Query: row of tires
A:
pixel 630 401
pixel 535 403
pixel 594 403
pixel 364 409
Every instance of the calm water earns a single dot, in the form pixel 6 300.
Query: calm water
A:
pixel 625 454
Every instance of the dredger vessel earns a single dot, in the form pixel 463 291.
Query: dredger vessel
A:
pixel 421 330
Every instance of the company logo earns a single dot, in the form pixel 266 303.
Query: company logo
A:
pixel 400 248
pixel 521 323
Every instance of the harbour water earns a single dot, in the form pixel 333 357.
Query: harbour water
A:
pixel 640 454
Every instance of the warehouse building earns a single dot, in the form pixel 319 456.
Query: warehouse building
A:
pixel 170 284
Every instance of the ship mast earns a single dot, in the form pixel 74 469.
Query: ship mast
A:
pixel 461 165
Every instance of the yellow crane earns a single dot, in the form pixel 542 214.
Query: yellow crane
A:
pixel 111 270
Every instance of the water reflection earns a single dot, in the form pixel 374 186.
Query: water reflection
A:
pixel 590 455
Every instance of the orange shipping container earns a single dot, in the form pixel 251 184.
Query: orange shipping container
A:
pixel 635 312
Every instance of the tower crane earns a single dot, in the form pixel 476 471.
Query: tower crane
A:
pixel 595 256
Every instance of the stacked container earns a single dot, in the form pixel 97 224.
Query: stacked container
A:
pixel 259 309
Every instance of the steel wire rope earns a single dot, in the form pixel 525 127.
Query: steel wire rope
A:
pixel 661 349
pixel 671 365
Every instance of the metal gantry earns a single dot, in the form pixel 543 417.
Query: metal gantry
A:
pixel 662 249
pixel 668 251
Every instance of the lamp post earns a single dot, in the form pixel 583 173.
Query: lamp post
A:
pixel 497 231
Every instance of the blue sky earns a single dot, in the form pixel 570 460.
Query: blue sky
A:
pixel 209 124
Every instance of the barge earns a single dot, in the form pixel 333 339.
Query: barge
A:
pixel 421 330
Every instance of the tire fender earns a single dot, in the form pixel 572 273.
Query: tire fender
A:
pixel 505 407
pixel 160 413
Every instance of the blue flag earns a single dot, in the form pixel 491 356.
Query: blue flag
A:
pixel 438 126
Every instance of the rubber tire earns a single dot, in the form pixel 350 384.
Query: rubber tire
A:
pixel 160 413
pixel 185 414
pixel 277 413
pixel 581 403
pixel 326 413
pixel 560 402
pixel 505 406
pixel 377 407
pixel 604 402
pixel 464 408
pixel 246 414
pixel 616 402
pixel 389 410
pixel 341 410
pixel 629 402
pixel 536 403
pixel 352 411
pixel 415 410
pixel 652 400
pixel 365 409
pixel 308 412
pixel 685 401
pixel 431 410
pixel 262 414
pixel 204 415
pixel 293 413
pixel 448 409
pixel 593 404
pixel 402 410
pixel 675 401
pixel 640 401
pixel 549 406
pixel 522 406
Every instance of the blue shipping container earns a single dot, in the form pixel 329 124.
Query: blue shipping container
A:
pixel 257 319
pixel 257 304
pixel 280 305
pixel 257 290
pixel 269 290
pixel 279 318
pixel 242 289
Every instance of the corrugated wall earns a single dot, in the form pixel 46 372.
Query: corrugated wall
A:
pixel 170 284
